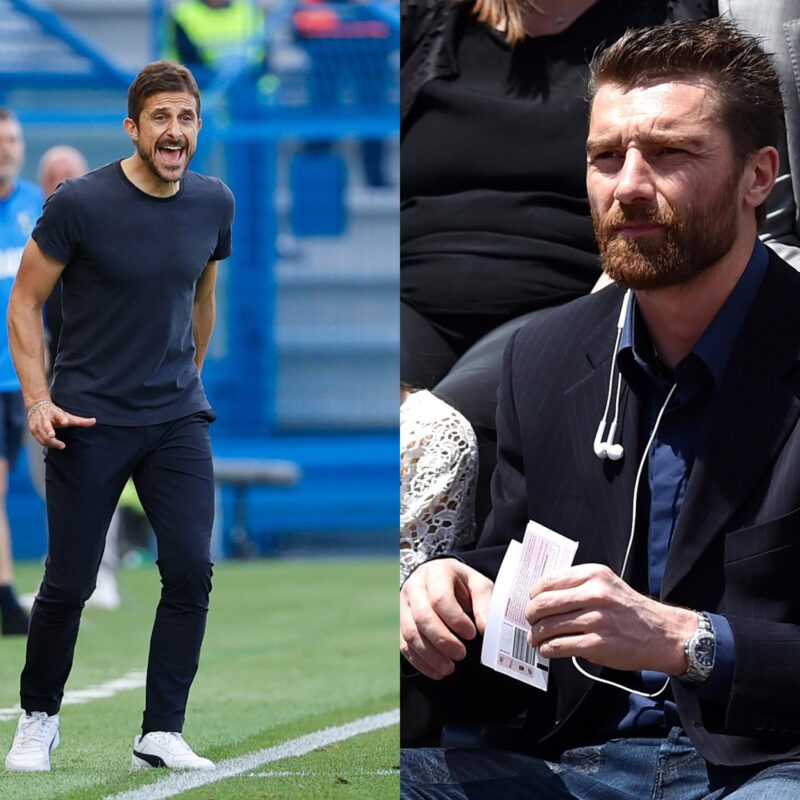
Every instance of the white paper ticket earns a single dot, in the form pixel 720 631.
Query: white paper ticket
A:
pixel 505 641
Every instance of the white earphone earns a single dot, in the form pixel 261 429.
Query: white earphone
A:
pixel 609 448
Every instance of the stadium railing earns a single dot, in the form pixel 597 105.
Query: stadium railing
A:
pixel 303 365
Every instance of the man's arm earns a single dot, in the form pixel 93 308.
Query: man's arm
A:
pixel 446 600
pixel 435 606
pixel 35 280
pixel 204 312
pixel 38 274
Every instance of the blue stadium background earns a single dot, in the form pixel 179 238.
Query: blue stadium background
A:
pixel 303 364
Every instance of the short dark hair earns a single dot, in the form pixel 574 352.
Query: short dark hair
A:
pixel 738 69
pixel 751 105
pixel 156 77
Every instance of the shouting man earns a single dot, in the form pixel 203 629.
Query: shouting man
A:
pixel 135 245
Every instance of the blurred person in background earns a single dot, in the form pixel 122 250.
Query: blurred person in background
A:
pixel 56 165
pixel 348 48
pixel 136 244
pixel 206 34
pixel 20 206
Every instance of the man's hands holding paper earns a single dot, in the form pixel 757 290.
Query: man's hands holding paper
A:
pixel 589 612
pixel 435 606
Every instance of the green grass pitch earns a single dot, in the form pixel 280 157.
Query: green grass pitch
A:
pixel 292 648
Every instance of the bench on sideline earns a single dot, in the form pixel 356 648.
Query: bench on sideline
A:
pixel 241 474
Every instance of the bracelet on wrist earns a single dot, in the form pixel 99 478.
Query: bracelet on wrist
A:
pixel 36 406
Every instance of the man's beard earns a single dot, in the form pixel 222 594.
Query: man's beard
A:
pixel 153 167
pixel 686 245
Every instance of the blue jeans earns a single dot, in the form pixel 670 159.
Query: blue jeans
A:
pixel 622 769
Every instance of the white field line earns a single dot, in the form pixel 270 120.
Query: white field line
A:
pixel 76 697
pixel 301 773
pixel 175 783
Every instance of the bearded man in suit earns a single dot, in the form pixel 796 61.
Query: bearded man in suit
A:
pixel 683 597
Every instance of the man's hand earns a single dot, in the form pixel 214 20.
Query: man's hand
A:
pixel 434 606
pixel 589 612
pixel 46 418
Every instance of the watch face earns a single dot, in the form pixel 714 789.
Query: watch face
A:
pixel 704 651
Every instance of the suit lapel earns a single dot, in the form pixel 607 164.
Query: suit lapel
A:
pixel 754 414
pixel 608 484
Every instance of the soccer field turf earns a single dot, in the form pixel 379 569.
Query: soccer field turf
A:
pixel 296 696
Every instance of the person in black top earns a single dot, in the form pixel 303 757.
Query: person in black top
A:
pixel 495 221
pixel 136 245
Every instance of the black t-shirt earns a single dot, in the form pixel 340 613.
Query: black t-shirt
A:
pixel 126 350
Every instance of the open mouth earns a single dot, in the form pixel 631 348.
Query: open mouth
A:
pixel 171 154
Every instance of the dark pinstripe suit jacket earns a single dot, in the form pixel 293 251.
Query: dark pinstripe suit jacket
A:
pixel 736 546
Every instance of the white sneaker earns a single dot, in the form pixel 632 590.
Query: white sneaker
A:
pixel 35 739
pixel 165 749
pixel 26 600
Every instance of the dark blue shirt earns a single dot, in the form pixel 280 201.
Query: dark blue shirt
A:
pixel 669 465
pixel 126 351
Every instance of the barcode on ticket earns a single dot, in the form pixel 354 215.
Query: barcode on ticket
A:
pixel 520 649
pixel 505 642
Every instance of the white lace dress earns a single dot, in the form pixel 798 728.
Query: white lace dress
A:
pixel 438 469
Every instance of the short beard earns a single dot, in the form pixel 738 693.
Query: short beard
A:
pixel 151 165
pixel 685 247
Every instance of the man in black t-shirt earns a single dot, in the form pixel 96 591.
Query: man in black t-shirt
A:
pixel 135 244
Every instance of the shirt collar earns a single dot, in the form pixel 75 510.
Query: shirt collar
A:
pixel 714 346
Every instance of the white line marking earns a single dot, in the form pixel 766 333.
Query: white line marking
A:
pixel 301 773
pixel 177 782
pixel 131 680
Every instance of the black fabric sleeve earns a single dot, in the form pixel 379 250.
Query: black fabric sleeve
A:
pixel 58 230
pixel 409 15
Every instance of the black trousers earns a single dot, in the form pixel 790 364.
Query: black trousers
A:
pixel 172 469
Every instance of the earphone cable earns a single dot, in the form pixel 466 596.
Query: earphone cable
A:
pixel 633 526
pixel 601 430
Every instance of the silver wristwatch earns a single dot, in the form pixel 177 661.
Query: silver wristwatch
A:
pixel 699 651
